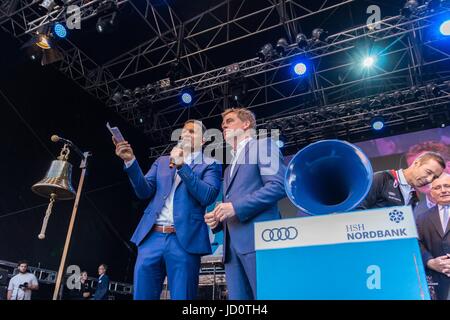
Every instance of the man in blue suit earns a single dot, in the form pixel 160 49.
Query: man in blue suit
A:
pixel 253 184
pixel 102 290
pixel 172 235
pixel 433 228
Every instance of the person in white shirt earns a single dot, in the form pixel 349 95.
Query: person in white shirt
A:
pixel 434 235
pixel 22 284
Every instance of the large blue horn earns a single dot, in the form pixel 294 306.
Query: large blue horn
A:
pixel 328 176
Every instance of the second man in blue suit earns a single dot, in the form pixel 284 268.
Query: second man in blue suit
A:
pixel 253 184
pixel 172 235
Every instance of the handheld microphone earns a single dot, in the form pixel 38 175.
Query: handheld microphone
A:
pixel 172 161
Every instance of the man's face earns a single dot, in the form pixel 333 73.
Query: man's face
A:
pixel 101 270
pixel 192 136
pixel 23 267
pixel 424 173
pixel 427 188
pixel 233 127
pixel 84 276
pixel 440 190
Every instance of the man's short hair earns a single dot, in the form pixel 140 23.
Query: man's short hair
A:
pixel 427 146
pixel 22 262
pixel 198 122
pixel 104 266
pixel 243 114
pixel 424 157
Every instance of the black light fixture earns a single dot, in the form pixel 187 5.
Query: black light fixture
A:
pixel 409 8
pixel 282 46
pixel 117 97
pixel 301 40
pixel 41 48
pixel 319 35
pixel 238 89
pixel 107 21
pixel 415 92
pixel 266 52
pixel 433 89
pixel 398 97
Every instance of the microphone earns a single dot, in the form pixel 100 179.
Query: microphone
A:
pixel 172 161
pixel 55 138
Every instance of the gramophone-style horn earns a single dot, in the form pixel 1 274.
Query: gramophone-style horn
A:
pixel 328 176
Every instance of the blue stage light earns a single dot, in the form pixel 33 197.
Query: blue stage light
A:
pixel 377 123
pixel 186 97
pixel 445 28
pixel 60 30
pixel 300 68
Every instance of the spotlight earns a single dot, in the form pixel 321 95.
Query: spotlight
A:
pixel 383 99
pixel 107 23
pixel 302 41
pixel 377 123
pixel 175 73
pixel 127 93
pixel 409 8
pixel 282 46
pixel 238 89
pixel 398 97
pixel 415 92
pixel 445 28
pixel 266 52
pixel 48 5
pixel 232 68
pixel 319 34
pixel 368 62
pixel 138 92
pixel 117 97
pixel 186 97
pixel 300 68
pixel 59 30
pixel 39 47
pixel 433 89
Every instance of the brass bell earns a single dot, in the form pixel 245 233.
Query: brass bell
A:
pixel 58 180
pixel 56 185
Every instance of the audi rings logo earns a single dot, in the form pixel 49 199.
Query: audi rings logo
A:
pixel 279 234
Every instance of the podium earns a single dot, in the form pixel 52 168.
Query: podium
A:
pixel 361 255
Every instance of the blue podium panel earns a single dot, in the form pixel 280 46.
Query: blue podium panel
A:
pixel 372 254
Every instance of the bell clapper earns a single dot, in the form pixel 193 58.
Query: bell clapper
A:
pixel 47 216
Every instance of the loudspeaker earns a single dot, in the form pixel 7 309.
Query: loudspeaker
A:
pixel 3 277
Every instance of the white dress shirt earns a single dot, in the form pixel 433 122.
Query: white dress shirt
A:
pixel 236 153
pixel 405 188
pixel 165 218
pixel 444 212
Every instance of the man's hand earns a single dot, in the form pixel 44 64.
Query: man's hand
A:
pixel 224 211
pixel 123 150
pixel 440 264
pixel 177 155
pixel 210 220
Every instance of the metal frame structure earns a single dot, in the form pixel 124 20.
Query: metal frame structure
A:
pixel 190 43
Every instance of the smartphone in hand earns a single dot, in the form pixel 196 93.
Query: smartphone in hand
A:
pixel 115 133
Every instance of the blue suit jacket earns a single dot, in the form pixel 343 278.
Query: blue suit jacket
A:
pixel 101 292
pixel 198 188
pixel 434 242
pixel 254 190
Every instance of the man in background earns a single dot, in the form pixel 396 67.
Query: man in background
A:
pixel 22 284
pixel 416 150
pixel 434 236
pixel 102 291
pixel 398 187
